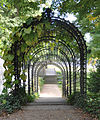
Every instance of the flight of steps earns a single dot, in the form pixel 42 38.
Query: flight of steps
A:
pixel 50 76
pixel 50 79
pixel 48 101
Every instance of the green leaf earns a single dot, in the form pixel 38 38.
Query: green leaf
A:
pixel 27 30
pixel 26 37
pixel 5 83
pixel 28 42
pixel 4 101
pixel 19 34
pixel 6 73
pixel 5 57
pixel 4 90
pixel 18 53
pixel 23 77
pixel 23 47
pixel 10 57
pixel 8 85
pixel 16 82
pixel 30 56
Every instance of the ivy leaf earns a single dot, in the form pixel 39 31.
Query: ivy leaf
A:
pixel 6 73
pixel 27 30
pixel 8 85
pixel 5 83
pixel 52 48
pixel 28 42
pixel 4 90
pixel 19 34
pixel 4 101
pixel 26 37
pixel 30 56
pixel 10 57
pixel 5 57
pixel 16 82
pixel 18 53
pixel 23 47
pixel 9 78
pixel 23 77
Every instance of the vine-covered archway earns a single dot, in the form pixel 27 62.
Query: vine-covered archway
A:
pixel 41 39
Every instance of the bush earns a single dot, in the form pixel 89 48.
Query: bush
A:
pixel 58 73
pixel 77 99
pixel 9 103
pixel 93 104
pixel 30 98
pixel 94 80
pixel 41 83
pixel 14 100
pixel 90 104
pixel 71 99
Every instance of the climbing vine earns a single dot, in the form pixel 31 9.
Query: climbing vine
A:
pixel 21 40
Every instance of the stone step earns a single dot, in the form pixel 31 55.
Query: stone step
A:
pixel 48 101
pixel 50 79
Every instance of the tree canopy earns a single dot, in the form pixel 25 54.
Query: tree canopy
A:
pixel 87 12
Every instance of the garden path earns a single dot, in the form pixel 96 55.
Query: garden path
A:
pixel 48 108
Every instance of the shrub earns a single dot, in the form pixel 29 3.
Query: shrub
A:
pixel 9 103
pixel 71 99
pixel 77 99
pixel 30 98
pixel 94 80
pixel 14 100
pixel 90 104
pixel 41 83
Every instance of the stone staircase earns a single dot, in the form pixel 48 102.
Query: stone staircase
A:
pixel 50 76
pixel 50 79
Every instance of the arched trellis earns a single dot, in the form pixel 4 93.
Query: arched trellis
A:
pixel 62 60
pixel 59 26
pixel 65 48
pixel 40 66
pixel 46 55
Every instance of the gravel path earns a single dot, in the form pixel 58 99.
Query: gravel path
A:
pixel 46 108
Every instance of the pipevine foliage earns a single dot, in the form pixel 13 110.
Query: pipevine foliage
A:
pixel 22 40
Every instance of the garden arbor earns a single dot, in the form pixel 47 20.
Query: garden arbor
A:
pixel 41 41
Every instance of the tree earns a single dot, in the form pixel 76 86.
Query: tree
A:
pixel 14 13
pixel 88 19
pixel 94 80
